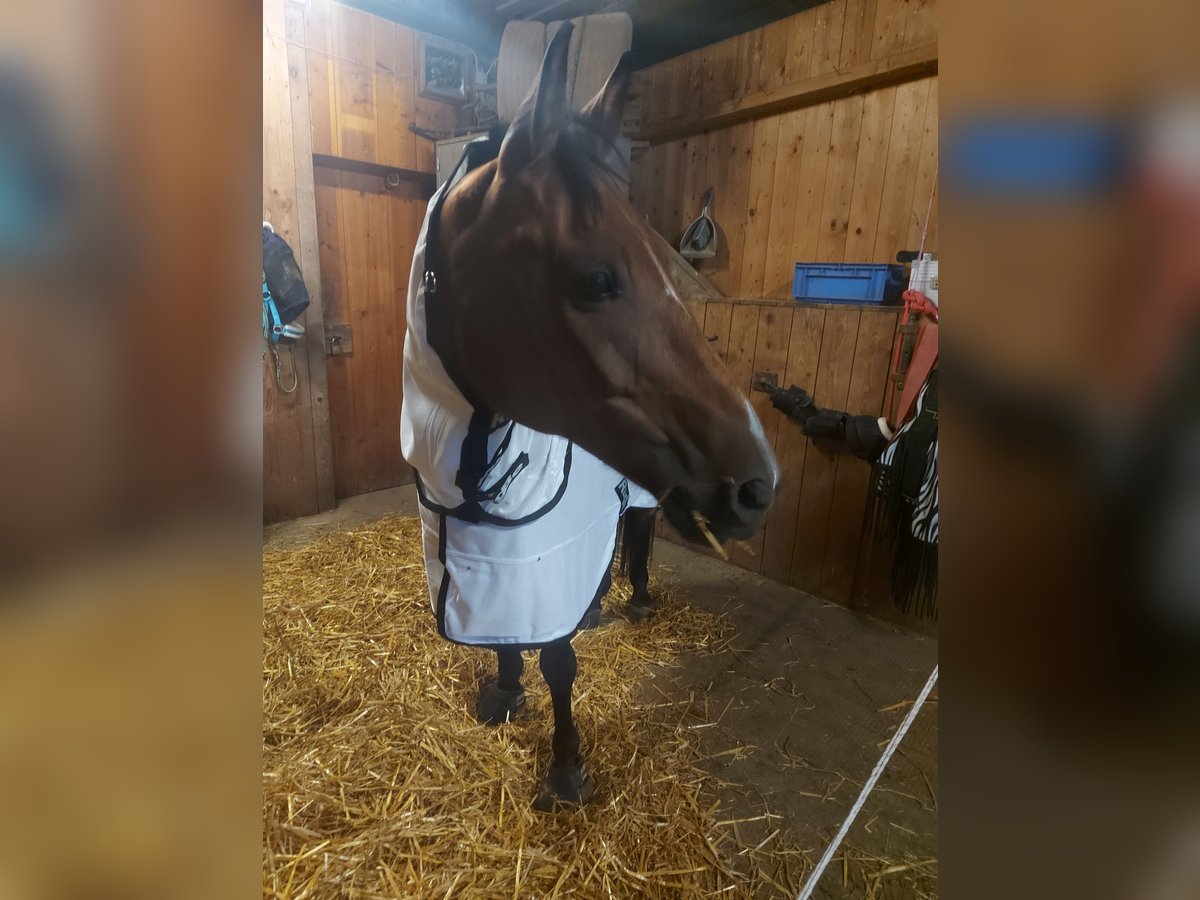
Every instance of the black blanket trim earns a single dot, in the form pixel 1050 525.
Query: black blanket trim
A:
pixel 895 490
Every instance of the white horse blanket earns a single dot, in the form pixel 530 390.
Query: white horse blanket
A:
pixel 515 548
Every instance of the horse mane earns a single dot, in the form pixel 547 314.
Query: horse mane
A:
pixel 582 153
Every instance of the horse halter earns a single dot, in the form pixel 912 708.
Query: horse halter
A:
pixel 474 155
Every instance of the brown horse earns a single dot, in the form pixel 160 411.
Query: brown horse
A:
pixel 556 309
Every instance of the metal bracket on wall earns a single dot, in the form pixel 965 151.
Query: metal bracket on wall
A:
pixel 339 340
pixel 764 381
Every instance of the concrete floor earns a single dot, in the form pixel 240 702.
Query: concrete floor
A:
pixel 811 692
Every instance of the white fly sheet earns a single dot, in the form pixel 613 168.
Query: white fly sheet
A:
pixel 514 554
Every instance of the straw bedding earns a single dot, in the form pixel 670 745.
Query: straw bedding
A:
pixel 378 781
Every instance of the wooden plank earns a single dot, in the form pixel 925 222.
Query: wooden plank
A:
pixel 690 284
pixel 379 348
pixel 868 380
pixel 891 17
pixel 351 249
pixel 647 90
pixel 921 26
pixel 407 58
pixel 827 37
pixel 308 258
pixel 772 65
pixel 868 76
pixel 737 194
pixel 743 335
pixel 751 62
pixel 691 83
pixel 293 21
pixel 900 179
pixel 858 33
pixel 810 197
pixel 335 290
pixel 798 60
pixel 289 483
pixel 273 19
pixel 789 153
pixel 717 318
pixel 320 102
pixel 741 54
pixel 318 26
pixel 639 179
pixel 820 466
pixel 355 116
pixel 804 349
pixel 725 207
pixel 706 70
pixel 656 194
pixel 770 355
pixel 663 89
pixel 673 212
pixel 694 162
pixel 723 77
pixel 869 173
pixel 924 203
pixel 758 224
pixel 839 179
pixel 352 39
pixel 385 46
pixel 394 107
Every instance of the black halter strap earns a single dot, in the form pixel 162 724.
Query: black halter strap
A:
pixel 474 464
pixel 474 155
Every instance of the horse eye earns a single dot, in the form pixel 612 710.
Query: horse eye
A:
pixel 598 284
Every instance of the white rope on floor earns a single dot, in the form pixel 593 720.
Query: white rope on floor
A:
pixel 810 885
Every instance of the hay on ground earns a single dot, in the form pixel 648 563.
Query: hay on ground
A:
pixel 378 782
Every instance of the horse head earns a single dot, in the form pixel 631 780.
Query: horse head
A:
pixel 561 313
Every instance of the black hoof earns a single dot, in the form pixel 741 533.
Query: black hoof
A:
pixel 642 606
pixel 591 619
pixel 564 786
pixel 497 706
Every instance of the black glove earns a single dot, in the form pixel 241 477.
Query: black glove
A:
pixel 827 425
pixel 794 402
pixel 864 438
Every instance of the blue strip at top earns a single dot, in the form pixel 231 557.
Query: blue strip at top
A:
pixel 1040 158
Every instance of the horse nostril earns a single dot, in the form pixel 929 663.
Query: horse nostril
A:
pixel 754 494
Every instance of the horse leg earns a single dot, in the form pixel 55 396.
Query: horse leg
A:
pixel 567 781
pixel 500 700
pixel 638 542
pixel 592 618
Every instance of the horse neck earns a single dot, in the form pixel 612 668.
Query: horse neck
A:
pixel 460 208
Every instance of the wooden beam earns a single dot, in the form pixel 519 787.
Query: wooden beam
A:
pixel 310 264
pixel 919 62
pixel 424 179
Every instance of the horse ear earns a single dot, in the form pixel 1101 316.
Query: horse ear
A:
pixel 545 108
pixel 604 110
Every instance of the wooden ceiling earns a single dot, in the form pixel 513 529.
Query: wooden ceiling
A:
pixel 661 28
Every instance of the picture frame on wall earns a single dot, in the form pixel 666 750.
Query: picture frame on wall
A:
pixel 446 71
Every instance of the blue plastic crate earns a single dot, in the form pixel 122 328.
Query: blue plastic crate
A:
pixel 840 282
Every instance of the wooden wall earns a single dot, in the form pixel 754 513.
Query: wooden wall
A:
pixel 297 451
pixel 841 180
pixel 346 81
pixel 363 91
pixel 813 538
pixel 819 136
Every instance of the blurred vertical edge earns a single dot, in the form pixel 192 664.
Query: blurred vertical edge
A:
pixel 130 448
pixel 1070 554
